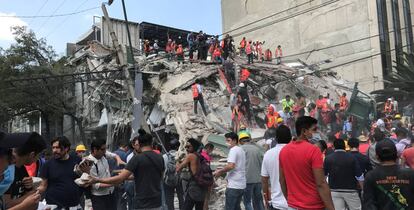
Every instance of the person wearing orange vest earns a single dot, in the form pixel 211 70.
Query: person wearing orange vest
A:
pixel 217 55
pixel 243 46
pixel 168 49
pixel 180 54
pixel 244 75
pixel 198 96
pixel 278 54
pixel 249 52
pixel 343 102
pixel 268 55
pixel 271 117
pixel 388 106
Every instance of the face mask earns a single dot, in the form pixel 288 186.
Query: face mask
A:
pixel 7 180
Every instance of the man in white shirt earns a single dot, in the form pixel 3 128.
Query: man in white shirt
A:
pixel 270 171
pixel 102 194
pixel 236 173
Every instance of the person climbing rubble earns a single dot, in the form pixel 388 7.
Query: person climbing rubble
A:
pixel 245 73
pixel 198 96
pixel 243 97
pixel 180 54
pixel 279 54
pixel 249 52
pixel 242 46
pixel 343 103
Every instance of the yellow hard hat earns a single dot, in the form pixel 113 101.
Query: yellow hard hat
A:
pixel 80 148
pixel 397 116
pixel 243 135
pixel 279 120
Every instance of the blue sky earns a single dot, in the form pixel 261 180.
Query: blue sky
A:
pixel 186 14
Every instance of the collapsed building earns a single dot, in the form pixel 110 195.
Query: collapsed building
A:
pixel 106 111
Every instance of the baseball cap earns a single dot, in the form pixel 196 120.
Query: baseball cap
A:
pixel 386 150
pixel 13 140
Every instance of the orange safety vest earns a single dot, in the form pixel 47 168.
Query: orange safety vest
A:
pixel 278 52
pixel 248 49
pixel 180 51
pixel 343 103
pixel 319 103
pixel 195 91
pixel 244 75
pixel 268 54
pixel 272 120
pixel 388 107
pixel 217 53
pixel 243 43
pixel 222 43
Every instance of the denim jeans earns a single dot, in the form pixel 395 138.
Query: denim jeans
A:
pixel 233 199
pixel 252 197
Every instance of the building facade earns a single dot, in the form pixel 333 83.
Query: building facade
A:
pixel 361 38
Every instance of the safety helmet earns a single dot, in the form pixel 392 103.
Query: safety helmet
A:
pixel 80 148
pixel 397 116
pixel 279 120
pixel 244 135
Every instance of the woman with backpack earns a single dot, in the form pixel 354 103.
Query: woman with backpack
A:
pixel 201 176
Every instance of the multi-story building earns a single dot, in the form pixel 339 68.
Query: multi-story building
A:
pixel 362 38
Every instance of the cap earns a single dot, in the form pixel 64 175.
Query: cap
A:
pixel 80 148
pixel 386 148
pixel 363 138
pixel 244 135
pixel 16 139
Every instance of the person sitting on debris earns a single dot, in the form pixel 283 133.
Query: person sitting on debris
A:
pixel 278 54
pixel 249 52
pixel 198 96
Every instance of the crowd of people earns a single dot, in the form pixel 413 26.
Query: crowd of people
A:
pixel 213 48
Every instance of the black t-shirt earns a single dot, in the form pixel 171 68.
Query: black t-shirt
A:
pixel 342 168
pixel 17 189
pixel 61 189
pixel 389 187
pixel 147 168
pixel 363 161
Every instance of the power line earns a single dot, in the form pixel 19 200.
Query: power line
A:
pixel 41 7
pixel 61 23
pixel 267 17
pixel 47 19
pixel 285 18
pixel 48 16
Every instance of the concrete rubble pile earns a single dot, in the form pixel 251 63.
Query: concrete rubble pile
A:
pixel 168 104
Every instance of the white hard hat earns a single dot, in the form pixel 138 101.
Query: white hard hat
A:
pixel 241 84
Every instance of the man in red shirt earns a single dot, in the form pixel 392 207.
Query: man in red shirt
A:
pixel 302 177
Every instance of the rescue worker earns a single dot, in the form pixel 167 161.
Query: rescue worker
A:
pixel 271 117
pixel 249 52
pixel 168 49
pixel 180 54
pixel 244 100
pixel 198 96
pixel 217 55
pixel 259 50
pixel 287 102
pixel 244 75
pixel 279 54
pixel 243 46
pixel 80 151
pixel 388 107
pixel 268 55
pixel 343 102
pixel 147 47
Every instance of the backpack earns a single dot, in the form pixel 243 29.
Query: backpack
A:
pixel 204 175
pixel 170 176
